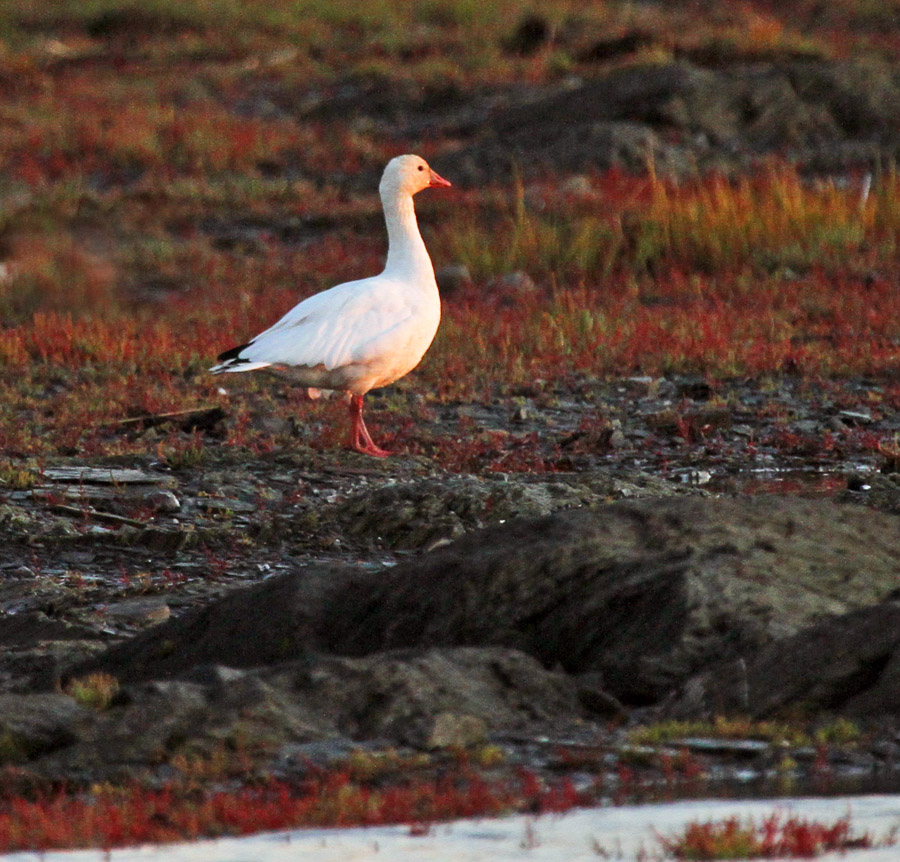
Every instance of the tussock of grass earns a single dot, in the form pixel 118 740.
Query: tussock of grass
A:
pixel 838 732
pixel 771 222
pixel 550 245
pixel 16 477
pixel 94 691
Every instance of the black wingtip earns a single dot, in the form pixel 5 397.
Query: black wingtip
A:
pixel 233 353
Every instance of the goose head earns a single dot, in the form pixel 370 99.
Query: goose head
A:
pixel 407 175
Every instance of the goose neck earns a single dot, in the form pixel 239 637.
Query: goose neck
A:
pixel 406 249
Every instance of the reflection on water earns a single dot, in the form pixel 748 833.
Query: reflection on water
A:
pixel 794 481
pixel 756 785
pixel 801 483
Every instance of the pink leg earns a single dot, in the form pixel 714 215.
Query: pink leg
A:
pixel 360 440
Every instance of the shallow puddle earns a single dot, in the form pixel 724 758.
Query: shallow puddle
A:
pixel 802 482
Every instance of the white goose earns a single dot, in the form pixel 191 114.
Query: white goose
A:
pixel 361 334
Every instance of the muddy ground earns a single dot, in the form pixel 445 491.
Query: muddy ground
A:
pixel 112 565
pixel 91 534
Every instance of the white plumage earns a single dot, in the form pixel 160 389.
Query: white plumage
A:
pixel 361 334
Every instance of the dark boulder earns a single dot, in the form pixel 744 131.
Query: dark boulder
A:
pixel 681 116
pixel 848 664
pixel 647 593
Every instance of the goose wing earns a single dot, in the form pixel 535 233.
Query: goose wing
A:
pixel 356 322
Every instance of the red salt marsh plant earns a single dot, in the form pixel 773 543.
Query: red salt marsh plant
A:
pixel 108 816
pixel 774 837
pixel 89 355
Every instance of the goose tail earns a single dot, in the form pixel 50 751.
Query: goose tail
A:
pixel 231 360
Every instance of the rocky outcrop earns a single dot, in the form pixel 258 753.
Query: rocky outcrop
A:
pixel 848 664
pixel 680 116
pixel 647 593
pixel 424 513
pixel 428 699
pixel 698 605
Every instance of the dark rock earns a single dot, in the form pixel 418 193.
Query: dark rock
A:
pixel 595 699
pixel 453 280
pixel 161 719
pixel 427 699
pixel 34 628
pixel 532 32
pixel 163 501
pixel 609 121
pixel 607 49
pixel 35 647
pixel 33 725
pixel 266 624
pixel 776 117
pixel 646 593
pixel 643 592
pixel 135 23
pixel 676 95
pixel 848 664
pixel 827 115
pixel 437 697
pixel 418 514
pixel 862 96
pixel 876 490
pixel 694 387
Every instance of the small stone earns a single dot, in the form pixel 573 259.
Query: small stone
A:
pixel 517 282
pixel 513 287
pixel 855 482
pixel 807 426
pixel 596 699
pixel 885 749
pixel 856 417
pixel 138 611
pixel 618 440
pixel 213 675
pixel 451 730
pixel 275 425
pixel 163 501
pixel 578 186
pixel 533 31
pixel 453 279
pixel 642 386
pixel 224 506
pixel 520 414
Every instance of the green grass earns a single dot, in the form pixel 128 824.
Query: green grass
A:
pixel 841 731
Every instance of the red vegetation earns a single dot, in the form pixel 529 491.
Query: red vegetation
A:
pixel 764 277
pixel 775 837
pixel 111 817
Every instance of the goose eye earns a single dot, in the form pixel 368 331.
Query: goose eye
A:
pixel 421 168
